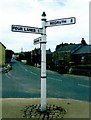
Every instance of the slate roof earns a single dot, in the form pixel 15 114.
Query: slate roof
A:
pixel 47 52
pixel 85 49
pixel 69 48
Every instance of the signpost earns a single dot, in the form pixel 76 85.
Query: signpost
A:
pixel 37 40
pixel 43 64
pixel 42 41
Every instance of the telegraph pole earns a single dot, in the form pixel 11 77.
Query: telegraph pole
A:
pixel 43 64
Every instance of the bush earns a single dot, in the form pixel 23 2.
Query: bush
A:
pixel 80 70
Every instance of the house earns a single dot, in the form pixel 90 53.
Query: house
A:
pixel 83 55
pixel 75 56
pixel 63 55
pixel 70 53
pixel 2 54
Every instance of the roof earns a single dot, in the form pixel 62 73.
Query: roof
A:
pixel 48 52
pixel 85 49
pixel 2 45
pixel 68 48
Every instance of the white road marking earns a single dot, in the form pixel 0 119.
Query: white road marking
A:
pixel 54 79
pixel 8 76
pixel 26 70
pixel 83 85
pixel 33 73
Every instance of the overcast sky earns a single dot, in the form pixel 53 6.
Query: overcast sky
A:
pixel 28 13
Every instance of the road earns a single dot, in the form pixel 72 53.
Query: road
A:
pixel 23 81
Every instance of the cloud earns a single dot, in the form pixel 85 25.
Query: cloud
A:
pixel 53 3
pixel 28 13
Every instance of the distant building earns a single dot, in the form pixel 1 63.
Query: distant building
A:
pixel 70 53
pixel 83 55
pixel 2 54
pixel 64 54
pixel 67 55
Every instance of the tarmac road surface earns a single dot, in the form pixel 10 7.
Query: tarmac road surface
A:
pixel 23 81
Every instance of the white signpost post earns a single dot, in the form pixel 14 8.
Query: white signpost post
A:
pixel 42 41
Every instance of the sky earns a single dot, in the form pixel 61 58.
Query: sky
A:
pixel 29 13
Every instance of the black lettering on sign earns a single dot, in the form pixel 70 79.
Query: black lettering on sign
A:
pixel 17 28
pixel 25 29
pixel 51 23
pixel 71 20
pixel 29 29
pixel 55 22
pixel 63 21
pixel 36 40
pixel 34 30
pixel 59 22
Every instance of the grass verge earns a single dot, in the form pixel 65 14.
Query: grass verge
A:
pixel 12 108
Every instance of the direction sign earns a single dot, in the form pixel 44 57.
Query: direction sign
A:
pixel 63 21
pixel 26 29
pixel 37 40
pixel 42 31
